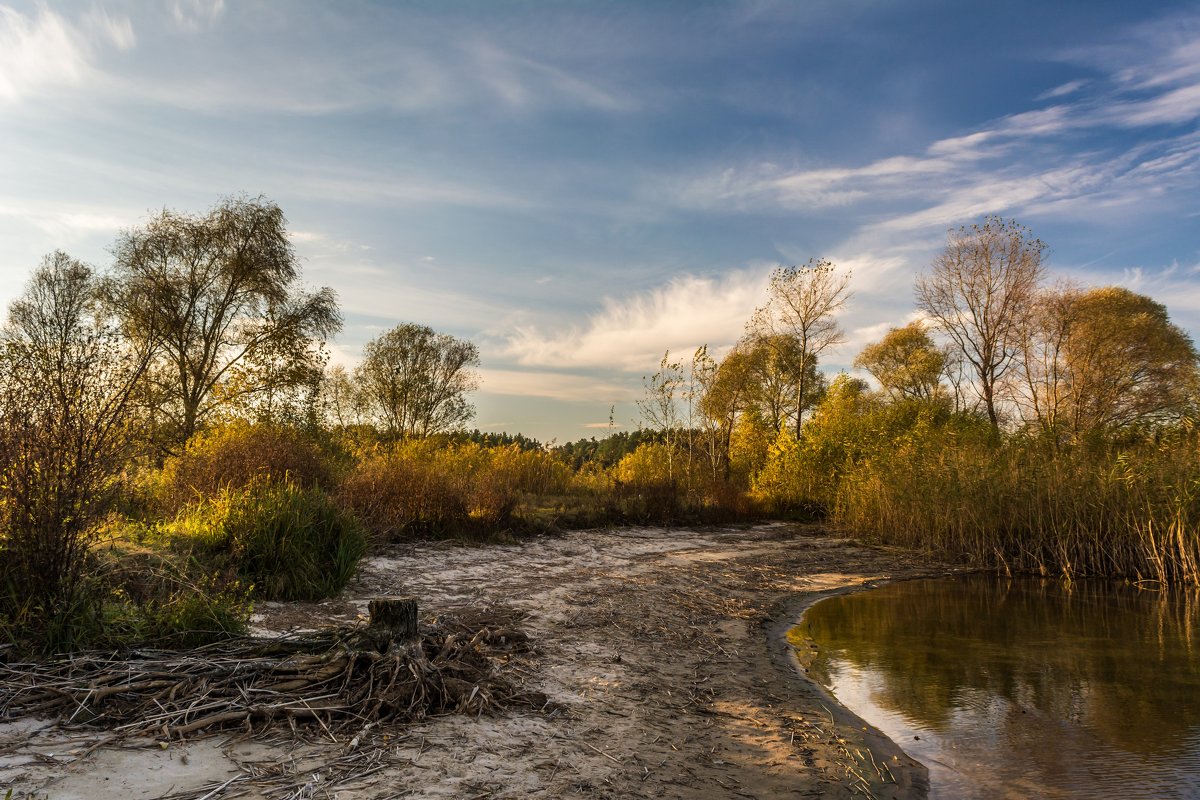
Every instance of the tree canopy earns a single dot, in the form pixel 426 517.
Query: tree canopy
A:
pixel 415 380
pixel 1108 358
pixel 798 323
pixel 217 297
pixel 906 363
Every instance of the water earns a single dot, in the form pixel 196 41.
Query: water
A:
pixel 1022 688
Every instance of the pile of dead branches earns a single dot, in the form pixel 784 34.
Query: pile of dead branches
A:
pixel 340 680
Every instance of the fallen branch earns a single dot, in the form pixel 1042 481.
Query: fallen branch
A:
pixel 339 679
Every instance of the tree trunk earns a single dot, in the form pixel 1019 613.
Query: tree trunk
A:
pixel 393 618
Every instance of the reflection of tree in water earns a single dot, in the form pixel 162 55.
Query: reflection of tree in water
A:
pixel 1125 661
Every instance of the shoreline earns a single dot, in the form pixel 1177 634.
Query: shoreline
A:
pixel 910 778
pixel 663 651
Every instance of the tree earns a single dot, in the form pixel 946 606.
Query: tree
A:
pixel 977 291
pixel 66 429
pixel 752 390
pixel 341 402
pixel 1044 333
pixel 798 321
pixel 217 296
pixel 415 380
pixel 659 407
pixel 1107 358
pixel 906 363
pixel 709 431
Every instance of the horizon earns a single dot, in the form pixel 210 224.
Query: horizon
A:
pixel 577 189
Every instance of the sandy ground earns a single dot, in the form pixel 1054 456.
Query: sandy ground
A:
pixel 661 650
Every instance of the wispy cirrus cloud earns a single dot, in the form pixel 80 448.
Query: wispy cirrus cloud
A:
pixel 430 67
pixel 47 50
pixel 1023 160
pixel 1063 89
pixel 196 15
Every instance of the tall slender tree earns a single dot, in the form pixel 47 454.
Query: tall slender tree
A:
pixel 799 321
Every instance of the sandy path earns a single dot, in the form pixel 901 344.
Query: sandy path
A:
pixel 662 649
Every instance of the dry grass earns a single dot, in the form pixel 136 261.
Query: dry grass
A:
pixel 1130 511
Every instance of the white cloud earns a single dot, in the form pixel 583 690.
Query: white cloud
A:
pixel 555 385
pixel 47 50
pixel 1015 162
pixel 196 15
pixel 1173 285
pixel 1062 90
pixel 39 52
pixel 1171 108
pixel 67 224
pixel 998 195
pixel 307 237
pixel 630 333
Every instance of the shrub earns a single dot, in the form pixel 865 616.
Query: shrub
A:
pixel 289 542
pixel 428 487
pixel 405 491
pixel 237 455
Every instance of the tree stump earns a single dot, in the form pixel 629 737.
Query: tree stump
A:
pixel 393 618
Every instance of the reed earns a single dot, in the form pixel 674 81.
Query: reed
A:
pixel 1129 510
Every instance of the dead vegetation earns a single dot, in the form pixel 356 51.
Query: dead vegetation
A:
pixel 341 682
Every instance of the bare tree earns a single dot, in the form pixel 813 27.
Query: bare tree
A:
pixel 798 321
pixel 217 295
pixel 66 429
pixel 977 291
pixel 660 407
pixel 415 380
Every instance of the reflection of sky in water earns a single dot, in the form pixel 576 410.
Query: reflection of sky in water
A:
pixel 1015 689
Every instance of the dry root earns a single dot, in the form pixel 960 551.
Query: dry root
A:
pixel 339 681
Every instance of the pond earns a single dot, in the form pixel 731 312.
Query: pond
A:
pixel 1021 687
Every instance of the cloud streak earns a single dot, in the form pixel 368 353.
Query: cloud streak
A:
pixel 566 386
pixel 631 332
pixel 46 50
pixel 1014 163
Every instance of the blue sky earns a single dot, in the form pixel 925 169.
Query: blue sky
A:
pixel 577 187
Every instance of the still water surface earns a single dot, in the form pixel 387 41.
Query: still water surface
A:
pixel 1016 688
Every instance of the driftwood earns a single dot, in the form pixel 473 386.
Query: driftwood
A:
pixel 339 681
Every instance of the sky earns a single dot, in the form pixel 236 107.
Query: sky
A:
pixel 579 187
